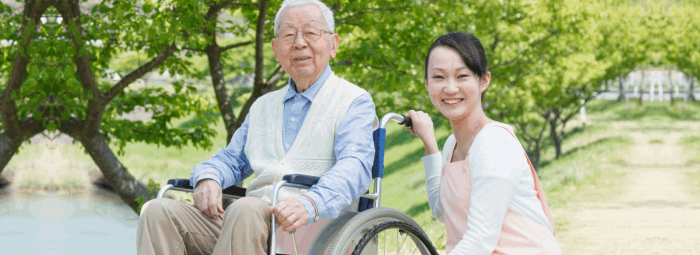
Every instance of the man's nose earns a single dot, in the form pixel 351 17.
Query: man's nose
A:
pixel 299 40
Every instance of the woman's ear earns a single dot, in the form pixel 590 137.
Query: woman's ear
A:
pixel 485 80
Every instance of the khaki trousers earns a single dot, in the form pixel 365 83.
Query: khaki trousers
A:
pixel 168 227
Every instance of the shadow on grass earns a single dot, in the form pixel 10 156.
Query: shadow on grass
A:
pixel 602 105
pixel 401 136
pixel 690 140
pixel 571 152
pixel 408 159
pixel 398 138
pixel 417 209
pixel 653 110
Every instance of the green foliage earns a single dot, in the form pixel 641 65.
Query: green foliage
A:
pixel 165 108
pixel 153 188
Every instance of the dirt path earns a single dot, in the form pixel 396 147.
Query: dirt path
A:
pixel 652 211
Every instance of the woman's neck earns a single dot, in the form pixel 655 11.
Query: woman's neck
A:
pixel 465 131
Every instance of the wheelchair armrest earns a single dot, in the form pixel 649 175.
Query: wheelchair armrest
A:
pixel 185 184
pixel 301 179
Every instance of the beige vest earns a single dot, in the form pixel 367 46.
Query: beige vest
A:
pixel 311 153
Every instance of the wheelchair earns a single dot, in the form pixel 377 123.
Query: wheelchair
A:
pixel 359 230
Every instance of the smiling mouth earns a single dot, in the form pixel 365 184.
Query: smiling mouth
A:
pixel 302 58
pixel 452 101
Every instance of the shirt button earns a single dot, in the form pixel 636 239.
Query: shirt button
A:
pixel 353 148
pixel 286 145
pixel 293 119
pixel 299 96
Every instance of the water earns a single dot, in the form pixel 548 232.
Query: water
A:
pixel 93 222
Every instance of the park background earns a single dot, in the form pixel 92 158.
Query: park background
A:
pixel 103 101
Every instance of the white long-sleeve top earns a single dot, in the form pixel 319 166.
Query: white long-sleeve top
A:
pixel 501 179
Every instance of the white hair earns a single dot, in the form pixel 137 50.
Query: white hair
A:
pixel 325 12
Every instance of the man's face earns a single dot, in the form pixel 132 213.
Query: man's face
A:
pixel 301 58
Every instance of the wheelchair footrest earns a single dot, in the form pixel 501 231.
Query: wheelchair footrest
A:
pixel 185 184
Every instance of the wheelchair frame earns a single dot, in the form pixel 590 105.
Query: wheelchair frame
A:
pixel 306 182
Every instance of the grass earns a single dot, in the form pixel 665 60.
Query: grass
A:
pixel 647 112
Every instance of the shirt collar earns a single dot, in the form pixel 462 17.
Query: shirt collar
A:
pixel 311 92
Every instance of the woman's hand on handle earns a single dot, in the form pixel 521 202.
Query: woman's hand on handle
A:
pixel 423 129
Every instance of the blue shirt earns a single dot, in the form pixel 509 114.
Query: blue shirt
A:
pixel 349 178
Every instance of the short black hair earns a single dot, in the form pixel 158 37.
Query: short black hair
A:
pixel 468 46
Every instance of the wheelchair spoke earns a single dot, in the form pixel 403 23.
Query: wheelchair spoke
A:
pixel 404 239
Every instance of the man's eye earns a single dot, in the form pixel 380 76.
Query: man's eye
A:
pixel 462 76
pixel 310 33
pixel 438 77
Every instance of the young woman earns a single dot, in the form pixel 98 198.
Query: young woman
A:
pixel 483 187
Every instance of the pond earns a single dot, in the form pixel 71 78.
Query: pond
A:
pixel 92 222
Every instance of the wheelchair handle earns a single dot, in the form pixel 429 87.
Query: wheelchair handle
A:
pixel 406 122
pixel 401 119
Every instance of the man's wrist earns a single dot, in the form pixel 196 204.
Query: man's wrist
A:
pixel 310 208
pixel 205 176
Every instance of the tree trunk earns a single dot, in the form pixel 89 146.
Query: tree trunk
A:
pixel 8 148
pixel 641 89
pixel 670 86
pixel 217 80
pixel 691 93
pixel 621 89
pixel 555 137
pixel 114 172
pixel 535 157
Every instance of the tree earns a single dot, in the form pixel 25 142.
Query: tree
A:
pixel 51 91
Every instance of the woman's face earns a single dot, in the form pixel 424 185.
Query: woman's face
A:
pixel 454 89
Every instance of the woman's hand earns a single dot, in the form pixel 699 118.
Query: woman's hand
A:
pixel 423 129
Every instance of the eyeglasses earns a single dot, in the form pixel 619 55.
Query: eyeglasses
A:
pixel 310 34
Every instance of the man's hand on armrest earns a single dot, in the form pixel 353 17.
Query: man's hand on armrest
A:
pixel 207 198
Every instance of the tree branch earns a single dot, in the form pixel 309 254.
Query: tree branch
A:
pixel 192 49
pixel 528 48
pixel 131 77
pixel 8 111
pixel 235 45
pixel 275 77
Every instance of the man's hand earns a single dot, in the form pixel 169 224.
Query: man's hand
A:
pixel 207 198
pixel 290 213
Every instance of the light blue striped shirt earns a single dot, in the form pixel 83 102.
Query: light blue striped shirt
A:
pixel 349 178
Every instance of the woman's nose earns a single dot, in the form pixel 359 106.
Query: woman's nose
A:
pixel 451 87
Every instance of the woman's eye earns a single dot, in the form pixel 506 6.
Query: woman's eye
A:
pixel 438 77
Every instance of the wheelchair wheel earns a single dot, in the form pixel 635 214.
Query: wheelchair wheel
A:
pixel 363 223
pixel 378 236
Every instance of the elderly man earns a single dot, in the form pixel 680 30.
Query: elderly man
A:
pixel 320 125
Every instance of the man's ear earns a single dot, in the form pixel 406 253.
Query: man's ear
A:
pixel 485 82
pixel 274 49
pixel 335 40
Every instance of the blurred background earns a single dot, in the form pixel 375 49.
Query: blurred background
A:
pixel 103 101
